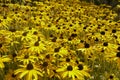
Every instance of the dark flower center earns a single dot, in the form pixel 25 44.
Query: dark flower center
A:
pixel 71 25
pixel 67 60
pixel 57 49
pixel 81 41
pixel 115 36
pixel 14 55
pixel 70 38
pixel 102 33
pixel 54 39
pixel 69 68
pixel 5 17
pixel 113 31
pixel 35 32
pixel 96 39
pixel 73 35
pixel 48 56
pixel 0 45
pixel 4 5
pixel 26 56
pixel 0 21
pixel 45 64
pixel 25 34
pixel 118 48
pixel 38 38
pixel 80 67
pixel 118 54
pixel 86 45
pixel 36 43
pixel 77 61
pixel 13 75
pixel 105 44
pixel 54 71
pixel 29 66
pixel 49 25
pixel 111 77
pixel 12 30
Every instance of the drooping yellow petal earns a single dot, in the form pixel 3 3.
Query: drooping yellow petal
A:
pixel 39 73
pixel 64 74
pixel 6 59
pixel 23 74
pixel 29 76
pixel 35 75
pixel 61 69
pixel 1 65
pixel 18 71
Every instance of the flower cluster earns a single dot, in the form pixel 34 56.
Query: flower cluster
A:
pixel 57 39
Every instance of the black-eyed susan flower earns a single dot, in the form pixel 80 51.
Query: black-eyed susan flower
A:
pixel 4 59
pixel 36 46
pixel 28 72
pixel 61 51
pixel 11 76
pixel 26 36
pixel 111 77
pixel 26 58
pixel 69 72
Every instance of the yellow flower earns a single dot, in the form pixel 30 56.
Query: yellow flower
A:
pixel 11 76
pixel 28 72
pixel 36 46
pixel 110 77
pixel 4 59
pixel 61 51
pixel 4 47
pixel 26 36
pixel 26 58
pixel 71 71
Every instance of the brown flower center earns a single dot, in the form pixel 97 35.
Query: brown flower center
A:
pixel 86 45
pixel 26 56
pixel 1 45
pixel 48 56
pixel 35 32
pixel 25 34
pixel 45 64
pixel 69 68
pixel 111 77
pixel 36 43
pixel 12 30
pixel 67 60
pixel 80 67
pixel 118 54
pixel 29 66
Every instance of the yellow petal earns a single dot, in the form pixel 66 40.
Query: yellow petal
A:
pixel 65 74
pixel 1 65
pixel 35 76
pixel 61 69
pixel 29 76
pixel 6 59
pixel 18 71
pixel 39 73
pixel 23 74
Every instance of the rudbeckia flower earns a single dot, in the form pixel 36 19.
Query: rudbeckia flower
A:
pixel 11 76
pixel 28 72
pixel 36 46
pixel 61 51
pixel 4 59
pixel 111 76
pixel 26 58
pixel 71 71
pixel 26 36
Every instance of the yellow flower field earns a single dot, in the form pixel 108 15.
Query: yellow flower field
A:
pixel 58 40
